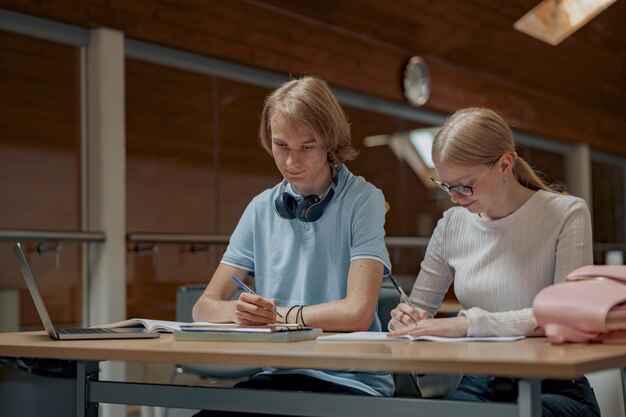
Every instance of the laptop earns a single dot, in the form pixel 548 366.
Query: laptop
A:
pixel 72 334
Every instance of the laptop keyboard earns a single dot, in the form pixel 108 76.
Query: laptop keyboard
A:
pixel 84 331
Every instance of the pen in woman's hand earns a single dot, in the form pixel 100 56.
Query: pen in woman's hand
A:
pixel 403 295
pixel 405 299
pixel 247 289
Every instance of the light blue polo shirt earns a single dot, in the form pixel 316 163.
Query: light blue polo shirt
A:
pixel 307 263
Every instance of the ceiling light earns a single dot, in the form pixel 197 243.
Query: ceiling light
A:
pixel 422 141
pixel 376 140
pixel 551 21
pixel 414 148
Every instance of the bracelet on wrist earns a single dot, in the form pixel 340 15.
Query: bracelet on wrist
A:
pixel 289 311
pixel 301 316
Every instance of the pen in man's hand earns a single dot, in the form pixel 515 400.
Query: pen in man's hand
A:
pixel 244 287
pixel 403 295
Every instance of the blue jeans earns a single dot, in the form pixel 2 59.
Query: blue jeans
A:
pixel 559 398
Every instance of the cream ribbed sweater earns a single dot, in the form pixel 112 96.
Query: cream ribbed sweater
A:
pixel 498 266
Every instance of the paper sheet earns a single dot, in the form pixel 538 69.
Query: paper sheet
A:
pixel 382 336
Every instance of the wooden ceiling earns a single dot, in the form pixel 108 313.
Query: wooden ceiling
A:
pixel 574 92
pixel 472 48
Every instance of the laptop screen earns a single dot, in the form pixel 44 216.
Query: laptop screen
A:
pixel 34 291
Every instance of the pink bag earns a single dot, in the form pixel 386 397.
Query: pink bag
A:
pixel 589 307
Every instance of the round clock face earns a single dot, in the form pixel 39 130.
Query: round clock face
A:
pixel 416 81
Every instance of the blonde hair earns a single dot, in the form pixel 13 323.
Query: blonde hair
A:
pixel 308 103
pixel 478 136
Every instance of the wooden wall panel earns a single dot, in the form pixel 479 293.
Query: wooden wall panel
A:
pixel 472 43
pixel 39 133
pixel 60 286
pixel 169 114
pixel 527 110
pixel 574 93
pixel 406 195
pixel 550 165
pixel 40 166
pixel 169 180
pixel 170 152
pixel 245 168
pixel 39 105
pixel 609 211
pixel 194 163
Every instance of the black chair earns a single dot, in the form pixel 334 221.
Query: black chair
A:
pixel 186 297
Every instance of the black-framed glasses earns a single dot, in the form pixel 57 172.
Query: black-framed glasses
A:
pixel 464 190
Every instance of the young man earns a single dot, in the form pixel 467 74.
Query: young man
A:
pixel 314 242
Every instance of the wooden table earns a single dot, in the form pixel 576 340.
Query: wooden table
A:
pixel 530 360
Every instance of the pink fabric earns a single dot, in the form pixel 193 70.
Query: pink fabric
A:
pixel 585 309
pixel 558 333
pixel 617 272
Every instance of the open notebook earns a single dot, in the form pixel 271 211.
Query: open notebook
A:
pixel 165 326
pixel 72 334
pixel 382 337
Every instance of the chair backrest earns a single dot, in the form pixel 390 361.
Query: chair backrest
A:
pixel 387 301
pixel 186 297
pixel 406 383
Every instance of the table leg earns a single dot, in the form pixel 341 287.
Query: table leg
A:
pixel 529 397
pixel 623 375
pixel 85 371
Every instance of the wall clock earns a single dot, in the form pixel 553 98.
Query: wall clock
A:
pixel 416 81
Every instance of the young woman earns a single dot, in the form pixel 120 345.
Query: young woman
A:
pixel 510 236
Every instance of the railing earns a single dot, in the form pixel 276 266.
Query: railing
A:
pixel 180 238
pixel 50 240
pixel 406 242
pixel 51 235
pixel 152 239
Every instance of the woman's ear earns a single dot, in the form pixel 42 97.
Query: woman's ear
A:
pixel 505 164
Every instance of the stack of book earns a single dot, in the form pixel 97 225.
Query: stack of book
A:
pixel 207 331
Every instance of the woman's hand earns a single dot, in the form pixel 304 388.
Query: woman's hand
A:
pixel 447 327
pixel 406 315
pixel 254 310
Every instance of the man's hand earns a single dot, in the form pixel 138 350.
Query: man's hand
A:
pixel 254 310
